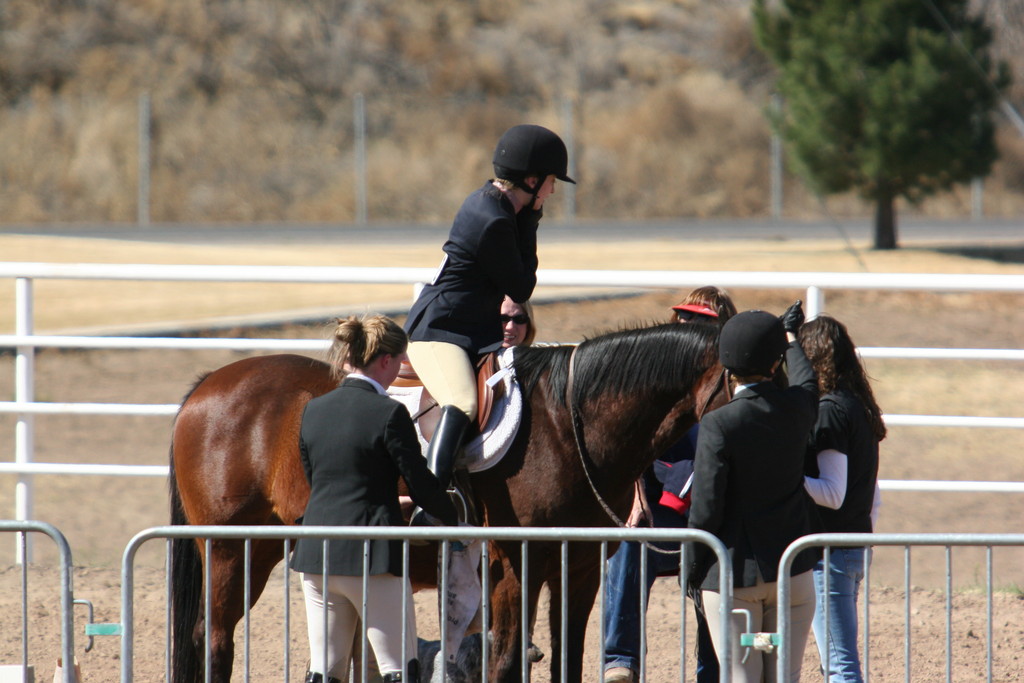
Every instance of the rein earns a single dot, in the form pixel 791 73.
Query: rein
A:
pixel 581 446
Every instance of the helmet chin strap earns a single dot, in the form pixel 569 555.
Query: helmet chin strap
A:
pixel 532 191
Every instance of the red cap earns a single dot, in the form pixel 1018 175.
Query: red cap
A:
pixel 696 308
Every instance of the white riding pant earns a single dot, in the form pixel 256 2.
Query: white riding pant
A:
pixel 447 373
pixel 762 601
pixel 344 606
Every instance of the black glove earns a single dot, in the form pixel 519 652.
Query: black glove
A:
pixel 793 318
pixel 529 217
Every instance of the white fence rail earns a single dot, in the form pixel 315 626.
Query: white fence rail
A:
pixel 25 342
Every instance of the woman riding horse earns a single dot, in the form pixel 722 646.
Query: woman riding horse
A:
pixel 491 252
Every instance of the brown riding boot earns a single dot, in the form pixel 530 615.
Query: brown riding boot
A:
pixel 620 674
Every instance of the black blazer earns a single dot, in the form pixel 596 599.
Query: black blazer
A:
pixel 491 251
pixel 748 484
pixel 354 445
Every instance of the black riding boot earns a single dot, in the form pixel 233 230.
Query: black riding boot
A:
pixel 445 443
pixel 443 448
pixel 319 678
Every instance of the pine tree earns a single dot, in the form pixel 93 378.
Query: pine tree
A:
pixel 892 98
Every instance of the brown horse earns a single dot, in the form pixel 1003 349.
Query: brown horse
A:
pixel 608 408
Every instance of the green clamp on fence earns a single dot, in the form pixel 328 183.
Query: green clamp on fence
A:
pixel 103 630
pixel 765 642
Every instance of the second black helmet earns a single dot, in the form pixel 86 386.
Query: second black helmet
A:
pixel 751 342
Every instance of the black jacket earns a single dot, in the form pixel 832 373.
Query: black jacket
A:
pixel 491 251
pixel 748 485
pixel 354 444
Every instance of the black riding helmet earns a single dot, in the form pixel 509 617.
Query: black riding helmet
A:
pixel 531 150
pixel 751 342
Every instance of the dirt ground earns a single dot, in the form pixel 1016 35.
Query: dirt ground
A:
pixel 99 515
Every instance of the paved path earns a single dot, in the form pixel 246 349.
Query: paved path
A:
pixel 910 231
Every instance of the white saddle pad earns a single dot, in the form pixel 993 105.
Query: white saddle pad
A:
pixel 486 450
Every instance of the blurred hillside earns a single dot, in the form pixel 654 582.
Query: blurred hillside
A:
pixel 253 107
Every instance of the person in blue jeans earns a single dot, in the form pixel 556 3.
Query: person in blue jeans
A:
pixel 662 503
pixel 842 469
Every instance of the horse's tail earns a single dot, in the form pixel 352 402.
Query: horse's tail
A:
pixel 186 590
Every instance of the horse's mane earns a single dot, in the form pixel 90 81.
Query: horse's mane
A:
pixel 641 360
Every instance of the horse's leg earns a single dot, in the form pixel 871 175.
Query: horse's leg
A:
pixel 583 585
pixel 227 596
pixel 555 624
pixel 584 581
pixel 506 602
pixel 505 623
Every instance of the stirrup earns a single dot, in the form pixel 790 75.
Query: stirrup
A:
pixel 419 516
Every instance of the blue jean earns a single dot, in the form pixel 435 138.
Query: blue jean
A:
pixel 622 611
pixel 839 648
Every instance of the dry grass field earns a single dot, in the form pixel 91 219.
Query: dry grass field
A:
pixel 252 108
pixel 100 514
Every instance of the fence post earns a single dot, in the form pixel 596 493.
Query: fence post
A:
pixel 144 154
pixel 569 134
pixel 815 302
pixel 776 162
pixel 24 392
pixel 360 136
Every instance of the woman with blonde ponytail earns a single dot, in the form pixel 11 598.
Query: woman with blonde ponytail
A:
pixel 357 342
pixel 355 443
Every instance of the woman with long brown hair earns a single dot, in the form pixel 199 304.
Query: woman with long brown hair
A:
pixel 842 479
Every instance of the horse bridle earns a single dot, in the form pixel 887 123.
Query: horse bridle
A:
pixel 581 446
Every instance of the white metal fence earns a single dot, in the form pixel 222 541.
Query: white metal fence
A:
pixel 25 341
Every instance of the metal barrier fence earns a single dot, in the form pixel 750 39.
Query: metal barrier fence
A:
pixel 67 640
pixel 563 536
pixel 907 541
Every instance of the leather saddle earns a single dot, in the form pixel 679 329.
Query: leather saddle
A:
pixel 428 413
